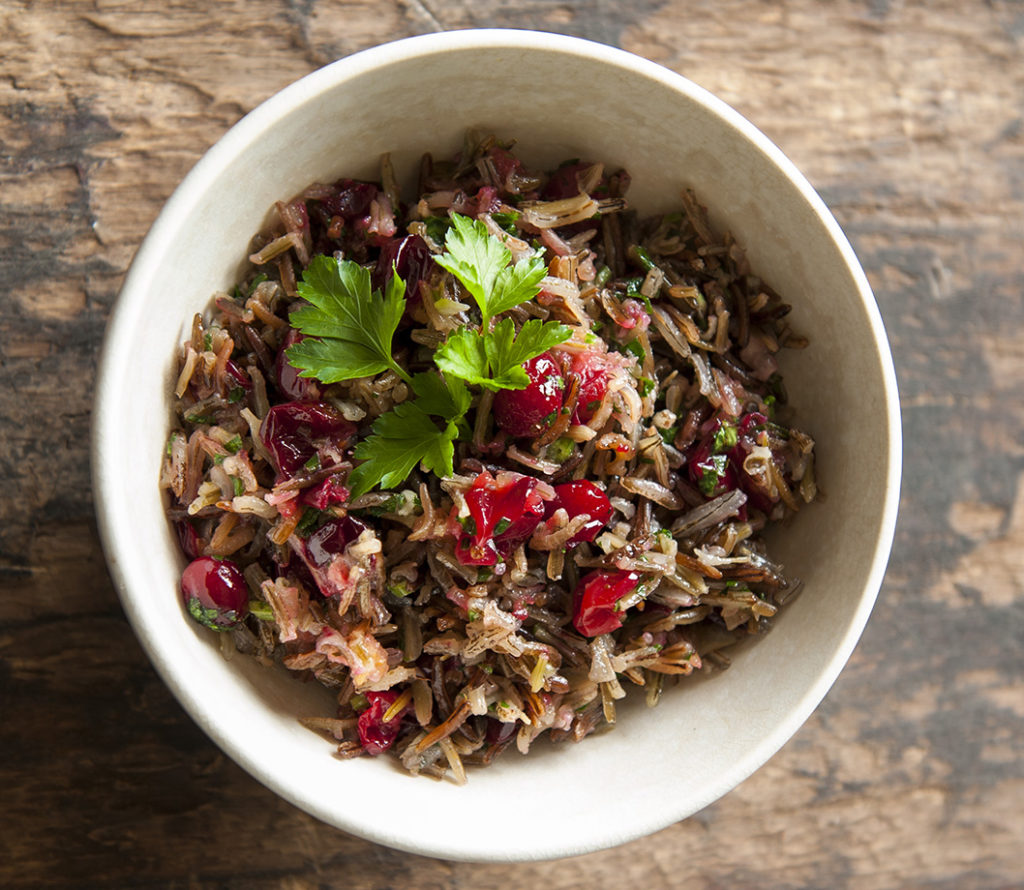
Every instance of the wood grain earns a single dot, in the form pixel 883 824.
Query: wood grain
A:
pixel 908 119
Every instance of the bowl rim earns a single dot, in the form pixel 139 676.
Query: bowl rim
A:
pixel 179 207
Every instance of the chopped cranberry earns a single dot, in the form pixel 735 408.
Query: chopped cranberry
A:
pixel 331 539
pixel 189 540
pixel 410 258
pixel 635 319
pixel 289 432
pixel 375 735
pixel 577 499
pixel 499 733
pixel 592 369
pixel 564 182
pixel 503 513
pixel 352 200
pixel 596 596
pixel 325 494
pixel 530 411
pixel 215 592
pixel 288 379
pixel 715 462
pixel 237 374
pixel 505 163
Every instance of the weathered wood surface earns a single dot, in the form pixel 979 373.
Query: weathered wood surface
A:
pixel 906 116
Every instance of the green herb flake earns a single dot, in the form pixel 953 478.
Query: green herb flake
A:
pixel 234 444
pixel 502 525
pixel 239 486
pixel 725 437
pixel 645 386
pixel 261 610
pixel 313 463
pixel 308 522
pixel 236 394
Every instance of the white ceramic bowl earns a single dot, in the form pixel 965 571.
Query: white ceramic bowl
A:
pixel 560 97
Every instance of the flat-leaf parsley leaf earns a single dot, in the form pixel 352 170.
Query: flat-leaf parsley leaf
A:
pixel 348 326
pixel 482 263
pixel 402 438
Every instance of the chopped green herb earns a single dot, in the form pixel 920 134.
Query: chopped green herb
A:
pixel 236 394
pixel 473 614
pixel 725 437
pixel 358 702
pixel 308 523
pixel 645 386
pixel 558 451
pixel 502 525
pixel 233 444
pixel 634 347
pixel 239 486
pixel 261 610
pixel 712 471
pixel 400 590
pixel 313 463
pixel 603 274
pixel 218 459
pixel 668 435
pixel 258 280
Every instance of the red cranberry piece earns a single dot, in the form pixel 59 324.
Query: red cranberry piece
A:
pixel 352 200
pixel 530 411
pixel 331 539
pixel 191 546
pixel 288 379
pixel 289 432
pixel 592 370
pixel 594 611
pixel 237 375
pixel 215 592
pixel 503 513
pixel 564 182
pixel 325 494
pixel 375 735
pixel 411 259
pixel 578 498
pixel 499 733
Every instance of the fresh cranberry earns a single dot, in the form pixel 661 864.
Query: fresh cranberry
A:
pixel 564 182
pixel 288 380
pixel 715 463
pixel 237 374
pixel 500 733
pixel 410 258
pixel 577 499
pixel 325 494
pixel 375 735
pixel 189 540
pixel 594 601
pixel 592 369
pixel 290 431
pixel 503 513
pixel 352 199
pixel 530 411
pixel 215 592
pixel 331 539
pixel 505 163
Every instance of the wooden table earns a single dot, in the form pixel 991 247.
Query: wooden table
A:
pixel 906 116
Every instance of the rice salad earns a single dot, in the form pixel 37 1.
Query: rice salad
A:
pixel 482 461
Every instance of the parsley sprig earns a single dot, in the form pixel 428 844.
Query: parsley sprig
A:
pixel 349 329
pixel 348 326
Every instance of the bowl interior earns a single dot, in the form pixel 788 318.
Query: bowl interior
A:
pixel 559 98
